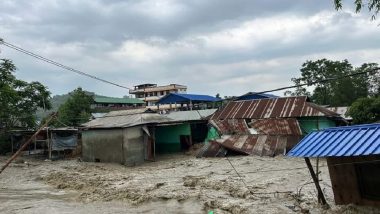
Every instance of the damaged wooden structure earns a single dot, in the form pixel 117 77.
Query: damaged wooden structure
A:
pixel 57 142
pixel 265 127
pixel 353 159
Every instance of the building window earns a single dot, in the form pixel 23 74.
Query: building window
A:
pixel 368 175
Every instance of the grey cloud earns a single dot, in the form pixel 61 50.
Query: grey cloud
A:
pixel 98 28
pixel 118 20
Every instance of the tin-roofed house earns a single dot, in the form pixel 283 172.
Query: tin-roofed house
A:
pixel 265 126
pixel 121 137
pixel 131 136
pixel 187 128
pixel 353 159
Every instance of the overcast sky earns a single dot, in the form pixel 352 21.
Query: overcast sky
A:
pixel 212 46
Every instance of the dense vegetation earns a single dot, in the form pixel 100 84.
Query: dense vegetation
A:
pixel 338 83
pixel 19 100
pixel 76 110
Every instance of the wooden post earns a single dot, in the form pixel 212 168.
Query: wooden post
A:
pixel 15 155
pixel 321 197
pixel 12 142
pixel 35 144
pixel 49 143
pixel 154 142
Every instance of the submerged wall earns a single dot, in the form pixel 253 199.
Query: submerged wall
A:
pixel 133 147
pixel 309 124
pixel 125 146
pixel 212 134
pixel 102 145
pixel 168 137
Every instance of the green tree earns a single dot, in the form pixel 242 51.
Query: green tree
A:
pixel 19 101
pixel 331 86
pixel 372 6
pixel 365 110
pixel 76 110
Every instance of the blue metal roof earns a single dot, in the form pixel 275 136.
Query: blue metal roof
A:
pixel 185 98
pixel 340 141
pixel 254 96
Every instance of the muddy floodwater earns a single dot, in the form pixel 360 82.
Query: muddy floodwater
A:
pixel 172 184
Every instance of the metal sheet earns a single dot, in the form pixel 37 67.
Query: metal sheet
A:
pixel 113 120
pixel 262 145
pixel 231 126
pixel 190 115
pixel 185 98
pixel 279 126
pixel 271 108
pixel 340 141
pixel 212 149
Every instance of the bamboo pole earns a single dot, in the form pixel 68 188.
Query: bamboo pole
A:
pixel 15 155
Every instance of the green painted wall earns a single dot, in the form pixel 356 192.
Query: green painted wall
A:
pixel 168 137
pixel 309 124
pixel 212 134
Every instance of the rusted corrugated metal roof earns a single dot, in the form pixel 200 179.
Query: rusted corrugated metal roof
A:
pixel 263 145
pixel 231 126
pixel 212 149
pixel 276 126
pixel 272 126
pixel 271 108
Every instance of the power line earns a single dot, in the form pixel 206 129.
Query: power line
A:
pixel 319 81
pixel 58 64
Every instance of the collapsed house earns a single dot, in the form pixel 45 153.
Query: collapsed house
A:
pixel 264 126
pixel 52 142
pixel 353 160
pixel 130 137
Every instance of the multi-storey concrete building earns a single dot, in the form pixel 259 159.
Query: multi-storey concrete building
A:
pixel 151 93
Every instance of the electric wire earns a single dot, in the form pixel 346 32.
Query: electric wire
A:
pixel 59 64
